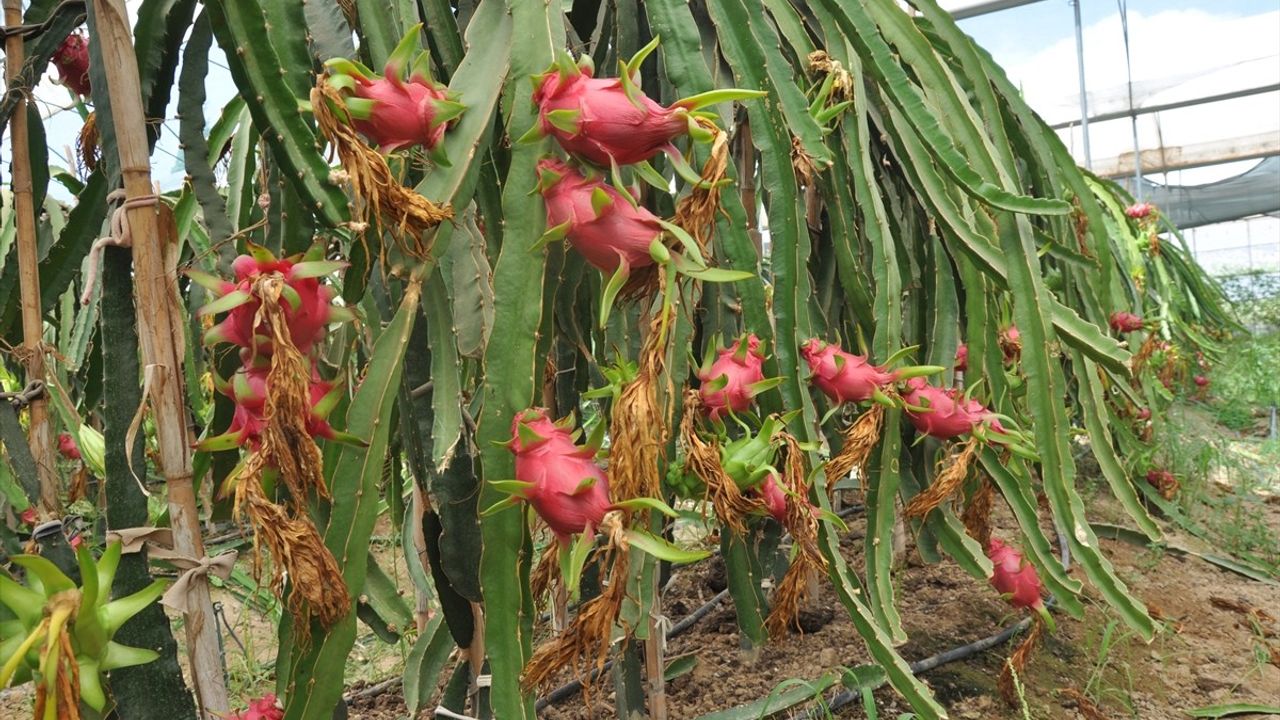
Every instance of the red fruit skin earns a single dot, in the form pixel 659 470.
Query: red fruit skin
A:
pixel 775 500
pixel 403 111
pixel 556 468
pixel 72 60
pixel 949 415
pixel 28 516
pixel 307 322
pixel 1125 322
pixel 1201 381
pixel 263 708
pixel 1011 343
pixel 609 124
pixel 76 541
pixel 1140 210
pixel 855 380
pixel 67 447
pixel 739 374
pixel 1013 576
pixel 1144 414
pixel 620 231
pixel 962 358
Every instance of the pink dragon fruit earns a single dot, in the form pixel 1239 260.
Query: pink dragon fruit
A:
pixel 1140 210
pixel 1125 322
pixel 947 413
pixel 72 60
pixel 1144 413
pixel 1201 381
pixel 29 517
pixel 1011 343
pixel 263 708
pixel 842 376
pixel 600 224
pixel 775 499
pixel 734 378
pixel 1016 579
pixel 404 107
pixel 561 480
pixel 248 388
pixel 597 118
pixel 308 311
pixel 962 358
pixel 67 446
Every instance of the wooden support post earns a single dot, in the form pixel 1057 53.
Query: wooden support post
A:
pixel 160 332
pixel 40 434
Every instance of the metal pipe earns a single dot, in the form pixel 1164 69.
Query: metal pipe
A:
pixel 1084 97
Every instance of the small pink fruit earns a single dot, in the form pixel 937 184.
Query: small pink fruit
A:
pixel 1144 413
pixel 1014 577
pixel 1125 322
pixel 28 516
pixel 72 60
pixel 1140 210
pixel 565 485
pixel 775 499
pixel 948 414
pixel 595 119
pixel 1011 343
pixel 601 225
pixel 962 358
pixel 844 377
pixel 263 708
pixel 67 446
pixel 1201 381
pixel 731 382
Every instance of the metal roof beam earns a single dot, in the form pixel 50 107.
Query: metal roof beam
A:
pixel 1217 152
pixel 960 11
pixel 1190 102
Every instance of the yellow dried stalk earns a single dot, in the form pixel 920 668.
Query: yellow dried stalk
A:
pixel 951 474
pixel 1017 662
pixel 545 573
pixel 376 191
pixel 821 63
pixel 638 425
pixel 977 513
pixel 802 524
pixel 702 458
pixel 87 143
pixel 860 439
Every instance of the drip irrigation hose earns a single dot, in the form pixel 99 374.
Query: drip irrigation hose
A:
pixel 572 688
pixel 948 656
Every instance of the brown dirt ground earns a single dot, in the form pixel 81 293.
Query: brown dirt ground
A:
pixel 1207 652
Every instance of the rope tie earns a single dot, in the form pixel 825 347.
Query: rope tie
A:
pixel 119 236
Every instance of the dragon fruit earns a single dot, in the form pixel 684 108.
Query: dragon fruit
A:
pixel 1140 210
pixel 404 107
pixel 561 480
pixel 775 498
pixel 734 378
pixel 263 708
pixel 308 311
pixel 248 388
pixel 1016 579
pixel 1201 381
pixel 947 414
pixel 842 376
pixel 29 517
pixel 962 358
pixel 749 459
pixel 67 446
pixel 1144 413
pixel 600 224
pixel 1011 343
pixel 1125 322
pixel 598 119
pixel 72 60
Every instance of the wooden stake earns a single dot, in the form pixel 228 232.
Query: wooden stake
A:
pixel 32 355
pixel 160 332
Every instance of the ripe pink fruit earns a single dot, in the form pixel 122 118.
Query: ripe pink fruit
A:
pixel 731 382
pixel 843 377
pixel 28 516
pixel 1013 576
pixel 67 446
pixel 263 708
pixel 962 358
pixel 72 60
pixel 600 224
pixel 775 499
pixel 1144 414
pixel 594 119
pixel 565 486
pixel 1140 210
pixel 1201 381
pixel 1125 322
pixel 1011 343
pixel 248 388
pixel 308 307
pixel 949 414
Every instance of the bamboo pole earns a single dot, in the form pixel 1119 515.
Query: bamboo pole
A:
pixel 40 435
pixel 160 332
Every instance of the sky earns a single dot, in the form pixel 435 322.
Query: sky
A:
pixel 1178 49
